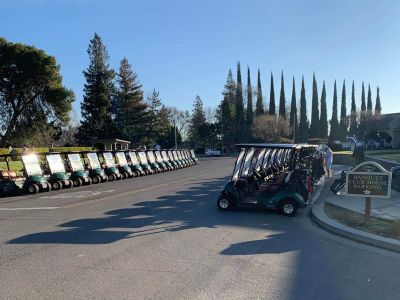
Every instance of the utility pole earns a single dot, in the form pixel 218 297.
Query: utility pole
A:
pixel 176 144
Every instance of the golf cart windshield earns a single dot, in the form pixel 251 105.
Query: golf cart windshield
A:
pixel 158 156
pixel 142 157
pixel 75 162
pixel 31 164
pixel 260 157
pixel 165 155
pixel 150 154
pixel 179 154
pixel 268 158
pixel 56 163
pixel 238 165
pixel 175 155
pixel 247 162
pixel 93 160
pixel 133 157
pixel 108 159
pixel 121 158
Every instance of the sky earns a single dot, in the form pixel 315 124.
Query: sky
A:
pixel 185 48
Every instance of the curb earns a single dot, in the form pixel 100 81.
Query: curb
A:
pixel 319 216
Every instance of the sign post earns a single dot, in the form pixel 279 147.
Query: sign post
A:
pixel 371 180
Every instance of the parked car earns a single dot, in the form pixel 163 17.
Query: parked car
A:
pixel 212 152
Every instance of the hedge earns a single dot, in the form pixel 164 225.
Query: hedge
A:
pixel 45 149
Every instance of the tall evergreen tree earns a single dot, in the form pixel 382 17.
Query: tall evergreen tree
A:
pixel 97 119
pixel 282 99
pixel 239 106
pixel 363 105
pixel 249 100
pixel 303 124
pixel 369 100
pixel 259 104
pixel 159 120
pixel 334 133
pixel 293 112
pixel 324 114
pixel 131 110
pixel 353 116
pixel 343 124
pixel 315 126
pixel 198 119
pixel 272 108
pixel 378 107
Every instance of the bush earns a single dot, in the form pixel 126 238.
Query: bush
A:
pixel 45 149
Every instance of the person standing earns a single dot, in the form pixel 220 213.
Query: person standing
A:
pixel 328 161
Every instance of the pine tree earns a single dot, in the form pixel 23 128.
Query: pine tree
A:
pixel 363 105
pixel 303 124
pixel 249 101
pixel 282 99
pixel 369 101
pixel 378 107
pixel 293 112
pixel 97 119
pixel 272 109
pixel 131 110
pixel 239 106
pixel 315 127
pixel 259 104
pixel 324 114
pixel 334 132
pixel 198 119
pixel 343 124
pixel 353 116
pixel 159 121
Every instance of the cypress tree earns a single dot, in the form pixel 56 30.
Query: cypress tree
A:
pixel 363 105
pixel 293 112
pixel 282 99
pixel 198 119
pixel 334 132
pixel 259 104
pixel 343 114
pixel 369 100
pixel 324 114
pixel 97 119
pixel 353 116
pixel 131 110
pixel 378 107
pixel 303 125
pixel 249 100
pixel 272 110
pixel 315 127
pixel 239 106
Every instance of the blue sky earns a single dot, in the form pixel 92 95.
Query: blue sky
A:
pixel 185 48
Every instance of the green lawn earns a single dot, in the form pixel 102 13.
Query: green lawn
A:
pixel 14 165
pixel 390 154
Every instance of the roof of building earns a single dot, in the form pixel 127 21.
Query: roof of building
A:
pixel 389 121
pixel 109 141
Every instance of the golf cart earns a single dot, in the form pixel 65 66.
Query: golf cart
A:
pixel 110 168
pixel 193 156
pixel 123 165
pixel 79 175
pixel 152 160
pixel 134 164
pixel 188 157
pixel 167 161
pixel 144 163
pixel 172 159
pixel 35 181
pixel 181 158
pixel 185 159
pixel 164 165
pixel 96 172
pixel 266 179
pixel 176 158
pixel 58 178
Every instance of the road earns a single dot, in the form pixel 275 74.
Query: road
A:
pixel 162 237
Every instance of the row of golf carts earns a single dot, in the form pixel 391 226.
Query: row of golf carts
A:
pixel 46 171
pixel 273 176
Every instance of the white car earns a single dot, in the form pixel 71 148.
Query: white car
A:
pixel 213 152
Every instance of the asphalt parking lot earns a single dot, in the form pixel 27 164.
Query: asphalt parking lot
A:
pixel 162 237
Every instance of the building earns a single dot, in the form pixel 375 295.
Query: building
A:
pixel 390 123
pixel 111 144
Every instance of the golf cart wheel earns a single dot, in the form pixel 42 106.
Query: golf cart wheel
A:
pixel 89 181
pixel 77 182
pixel 33 189
pixel 71 183
pixel 56 185
pixel 96 179
pixel 111 177
pixel 224 203
pixel 288 207
pixel 48 189
pixel 135 174
pixel 123 175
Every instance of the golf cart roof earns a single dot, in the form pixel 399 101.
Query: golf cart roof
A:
pixel 271 146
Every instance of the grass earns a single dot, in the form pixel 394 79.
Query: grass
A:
pixel 385 228
pixel 14 165
pixel 390 154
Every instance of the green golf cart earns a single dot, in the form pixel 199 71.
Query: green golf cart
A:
pixel 110 168
pixel 79 175
pixel 123 165
pixel 59 179
pixel 96 172
pixel 144 162
pixel 135 165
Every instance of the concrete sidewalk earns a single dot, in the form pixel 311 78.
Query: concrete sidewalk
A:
pixel 388 209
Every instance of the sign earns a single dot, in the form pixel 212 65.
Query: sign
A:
pixel 369 179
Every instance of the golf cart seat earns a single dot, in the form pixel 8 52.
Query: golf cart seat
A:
pixel 282 180
pixel 4 174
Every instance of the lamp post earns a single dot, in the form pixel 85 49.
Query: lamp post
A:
pixel 176 144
